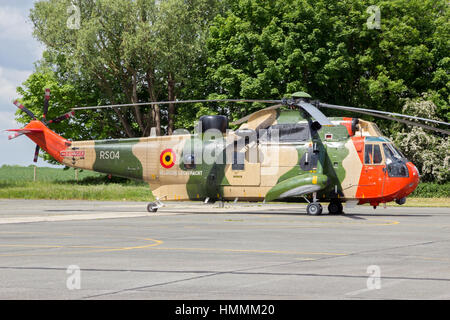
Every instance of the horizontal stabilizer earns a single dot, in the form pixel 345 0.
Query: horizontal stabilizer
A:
pixel 28 130
pixel 19 132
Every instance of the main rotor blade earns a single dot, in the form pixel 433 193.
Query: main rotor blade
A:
pixel 175 102
pixel 406 122
pixel 21 107
pixel 315 113
pixel 332 106
pixel 242 120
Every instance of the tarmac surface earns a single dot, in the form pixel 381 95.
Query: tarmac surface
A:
pixel 189 250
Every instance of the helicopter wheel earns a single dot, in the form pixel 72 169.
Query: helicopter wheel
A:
pixel 314 208
pixel 335 208
pixel 152 207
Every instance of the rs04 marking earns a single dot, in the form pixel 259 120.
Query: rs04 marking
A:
pixel 109 155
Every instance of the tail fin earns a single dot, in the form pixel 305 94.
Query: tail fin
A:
pixel 45 138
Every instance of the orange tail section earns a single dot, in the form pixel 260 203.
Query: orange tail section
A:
pixel 45 138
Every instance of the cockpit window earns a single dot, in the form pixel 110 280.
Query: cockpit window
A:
pixel 372 154
pixel 377 158
pixel 398 151
pixel 368 153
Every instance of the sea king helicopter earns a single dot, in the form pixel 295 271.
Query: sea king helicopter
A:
pixel 289 150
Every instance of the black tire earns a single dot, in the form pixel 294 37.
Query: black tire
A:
pixel 152 207
pixel 335 208
pixel 314 209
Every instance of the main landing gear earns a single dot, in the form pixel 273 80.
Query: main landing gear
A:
pixel 335 208
pixel 315 208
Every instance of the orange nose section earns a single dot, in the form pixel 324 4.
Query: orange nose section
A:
pixel 47 139
pixel 413 180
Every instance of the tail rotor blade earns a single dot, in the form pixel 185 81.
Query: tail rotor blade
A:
pixel 46 99
pixel 36 153
pixel 63 117
pixel 21 107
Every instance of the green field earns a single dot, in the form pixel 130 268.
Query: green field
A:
pixel 43 174
pixel 55 183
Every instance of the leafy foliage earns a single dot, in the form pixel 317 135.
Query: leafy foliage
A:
pixel 430 153
pixel 130 51
pixel 264 49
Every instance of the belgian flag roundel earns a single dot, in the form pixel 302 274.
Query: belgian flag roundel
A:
pixel 167 158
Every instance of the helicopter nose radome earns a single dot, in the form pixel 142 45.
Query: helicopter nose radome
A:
pixel 413 172
pixel 414 178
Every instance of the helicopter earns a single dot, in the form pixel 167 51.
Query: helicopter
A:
pixel 289 150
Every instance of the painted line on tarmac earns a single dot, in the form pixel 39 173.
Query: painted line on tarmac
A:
pixel 98 249
pixel 76 217
pixel 251 251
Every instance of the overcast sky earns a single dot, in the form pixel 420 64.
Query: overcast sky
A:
pixel 18 52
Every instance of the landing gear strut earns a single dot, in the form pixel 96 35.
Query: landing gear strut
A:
pixel 314 208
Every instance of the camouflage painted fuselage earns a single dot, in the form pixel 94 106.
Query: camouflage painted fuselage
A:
pixel 330 163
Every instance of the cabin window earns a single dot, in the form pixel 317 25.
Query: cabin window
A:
pixel 290 132
pixel 238 161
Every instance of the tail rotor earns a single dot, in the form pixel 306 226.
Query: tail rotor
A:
pixel 21 132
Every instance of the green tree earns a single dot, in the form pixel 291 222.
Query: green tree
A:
pixel 264 49
pixel 133 51
pixel 429 152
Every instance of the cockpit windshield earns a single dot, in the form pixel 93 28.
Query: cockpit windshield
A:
pixel 391 153
pixel 395 161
